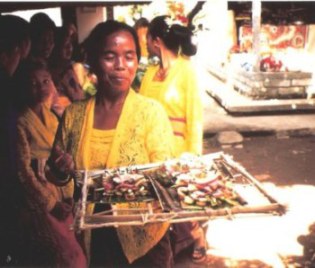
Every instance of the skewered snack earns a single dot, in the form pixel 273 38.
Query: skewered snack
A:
pixel 190 182
pixel 187 189
pixel 197 183
pixel 117 187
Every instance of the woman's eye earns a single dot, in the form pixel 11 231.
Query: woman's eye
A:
pixel 33 83
pixel 109 57
pixel 46 81
pixel 130 56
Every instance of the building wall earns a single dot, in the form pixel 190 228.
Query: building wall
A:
pixel 87 18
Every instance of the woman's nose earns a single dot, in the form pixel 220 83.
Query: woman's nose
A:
pixel 40 85
pixel 120 63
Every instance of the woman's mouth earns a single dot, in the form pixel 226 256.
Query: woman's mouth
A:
pixel 119 79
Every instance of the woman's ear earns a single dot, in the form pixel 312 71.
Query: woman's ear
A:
pixel 157 42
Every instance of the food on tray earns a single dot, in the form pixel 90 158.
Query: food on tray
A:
pixel 197 183
pixel 122 187
pixel 188 182
pixel 128 185
pixel 185 190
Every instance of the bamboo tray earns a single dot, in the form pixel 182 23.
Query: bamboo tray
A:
pixel 255 197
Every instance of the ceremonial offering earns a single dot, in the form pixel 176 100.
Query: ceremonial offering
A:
pixel 186 189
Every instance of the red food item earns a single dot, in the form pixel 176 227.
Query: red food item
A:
pixel 126 186
pixel 108 186
pixel 130 196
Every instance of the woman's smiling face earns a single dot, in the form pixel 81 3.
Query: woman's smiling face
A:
pixel 41 86
pixel 118 62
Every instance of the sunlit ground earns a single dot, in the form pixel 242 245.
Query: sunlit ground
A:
pixel 265 237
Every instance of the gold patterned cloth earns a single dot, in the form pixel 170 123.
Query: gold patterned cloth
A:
pixel 42 230
pixel 35 140
pixel 143 135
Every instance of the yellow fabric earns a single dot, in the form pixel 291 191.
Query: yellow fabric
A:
pixel 100 143
pixel 180 95
pixel 142 36
pixel 84 78
pixel 143 135
pixel 35 141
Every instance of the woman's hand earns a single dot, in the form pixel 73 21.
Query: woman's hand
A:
pixel 60 166
pixel 62 161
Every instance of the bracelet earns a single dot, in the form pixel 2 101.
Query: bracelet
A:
pixel 55 176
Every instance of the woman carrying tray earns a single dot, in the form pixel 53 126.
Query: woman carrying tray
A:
pixel 117 127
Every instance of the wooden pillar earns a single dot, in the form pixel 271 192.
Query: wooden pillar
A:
pixel 110 12
pixel 256 25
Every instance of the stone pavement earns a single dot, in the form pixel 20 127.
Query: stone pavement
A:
pixel 217 119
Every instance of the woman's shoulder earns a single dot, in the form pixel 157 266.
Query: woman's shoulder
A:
pixel 144 99
pixel 76 107
pixel 151 68
pixel 78 104
pixel 147 102
pixel 185 63
pixel 22 118
pixel 186 71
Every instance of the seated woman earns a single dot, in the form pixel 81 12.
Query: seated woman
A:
pixel 48 211
pixel 115 128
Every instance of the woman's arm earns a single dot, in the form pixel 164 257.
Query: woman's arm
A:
pixel 60 164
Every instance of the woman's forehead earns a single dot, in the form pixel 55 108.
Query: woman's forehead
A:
pixel 119 38
pixel 40 72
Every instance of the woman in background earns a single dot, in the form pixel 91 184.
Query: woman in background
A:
pixel 43 29
pixel 60 65
pixel 173 82
pixel 48 209
pixel 141 26
pixel 86 78
pixel 42 36
pixel 14 47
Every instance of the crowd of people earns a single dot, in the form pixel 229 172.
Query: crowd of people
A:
pixel 52 124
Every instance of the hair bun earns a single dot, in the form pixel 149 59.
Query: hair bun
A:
pixel 183 36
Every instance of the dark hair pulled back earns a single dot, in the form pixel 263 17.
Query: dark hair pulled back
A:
pixel 176 37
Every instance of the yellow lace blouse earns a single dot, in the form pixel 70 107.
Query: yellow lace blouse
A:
pixel 143 135
pixel 100 144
